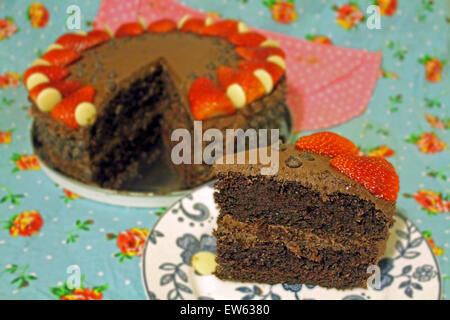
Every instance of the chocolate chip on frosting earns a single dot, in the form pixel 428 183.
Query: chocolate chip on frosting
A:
pixel 111 85
pixel 112 75
pixel 98 64
pixel 293 162
pixel 307 156
pixel 224 60
pixel 81 73
pixel 192 76
pixel 211 66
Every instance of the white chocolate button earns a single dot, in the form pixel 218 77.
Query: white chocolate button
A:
pixel 47 99
pixel 265 78
pixel 40 62
pixel 204 262
pixel 270 43
pixel 108 31
pixel 209 21
pixel 237 95
pixel 142 22
pixel 85 114
pixel 54 46
pixel 242 27
pixel 183 20
pixel 278 60
pixel 35 79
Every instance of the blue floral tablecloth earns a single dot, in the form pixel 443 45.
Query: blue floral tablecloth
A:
pixel 49 233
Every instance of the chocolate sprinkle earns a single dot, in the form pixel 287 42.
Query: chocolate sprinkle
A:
pixel 293 162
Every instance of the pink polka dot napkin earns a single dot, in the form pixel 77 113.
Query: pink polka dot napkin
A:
pixel 327 85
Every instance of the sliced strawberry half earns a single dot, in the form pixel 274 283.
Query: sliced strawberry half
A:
pixel 207 100
pixel 65 110
pixel 194 25
pixel 259 53
pixel 249 39
pixel 274 70
pixel 245 78
pixel 376 174
pixel 99 35
pixel 129 29
pixel 53 73
pixel 327 143
pixel 79 42
pixel 65 87
pixel 162 26
pixel 61 57
pixel 47 95
pixel 224 28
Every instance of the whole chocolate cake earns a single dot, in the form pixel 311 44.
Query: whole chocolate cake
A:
pixel 323 219
pixel 102 103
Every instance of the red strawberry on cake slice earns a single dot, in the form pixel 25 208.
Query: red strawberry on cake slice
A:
pixel 264 69
pixel 327 143
pixel 130 29
pixel 375 173
pixel 251 39
pixel 77 109
pixel 224 28
pixel 43 74
pixel 208 100
pixel 80 41
pixel 194 25
pixel 162 26
pixel 259 53
pixel 241 86
pixel 60 57
pixel 47 95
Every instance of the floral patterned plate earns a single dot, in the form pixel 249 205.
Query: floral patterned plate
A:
pixel 180 252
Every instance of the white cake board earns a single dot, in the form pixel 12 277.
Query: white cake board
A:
pixel 113 197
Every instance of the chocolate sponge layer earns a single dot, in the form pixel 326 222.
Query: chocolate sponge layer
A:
pixel 311 275
pixel 267 200
pixel 329 248
pixel 254 252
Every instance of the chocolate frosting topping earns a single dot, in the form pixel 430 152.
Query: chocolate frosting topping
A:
pixel 114 62
pixel 314 172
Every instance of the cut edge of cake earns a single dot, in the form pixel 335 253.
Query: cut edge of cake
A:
pixel 309 223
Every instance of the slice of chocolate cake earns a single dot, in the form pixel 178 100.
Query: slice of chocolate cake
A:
pixel 323 219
